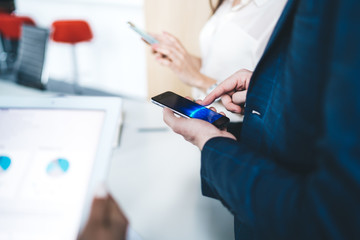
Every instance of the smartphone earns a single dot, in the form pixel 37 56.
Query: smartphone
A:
pixel 147 37
pixel 189 109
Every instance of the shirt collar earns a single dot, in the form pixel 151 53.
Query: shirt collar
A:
pixel 258 3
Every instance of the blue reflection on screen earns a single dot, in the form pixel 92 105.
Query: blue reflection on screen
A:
pixel 193 110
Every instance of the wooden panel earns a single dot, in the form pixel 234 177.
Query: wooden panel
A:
pixel 182 18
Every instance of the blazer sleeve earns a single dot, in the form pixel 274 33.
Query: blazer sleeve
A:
pixel 278 202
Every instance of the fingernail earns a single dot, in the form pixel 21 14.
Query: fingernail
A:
pixel 101 191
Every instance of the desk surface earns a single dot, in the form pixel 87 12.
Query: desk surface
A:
pixel 155 177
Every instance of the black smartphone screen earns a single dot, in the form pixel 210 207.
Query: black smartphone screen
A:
pixel 190 109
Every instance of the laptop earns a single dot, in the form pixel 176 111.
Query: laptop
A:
pixel 53 154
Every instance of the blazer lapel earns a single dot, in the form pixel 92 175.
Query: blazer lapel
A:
pixel 286 16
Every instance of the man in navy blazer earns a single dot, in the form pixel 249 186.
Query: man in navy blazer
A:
pixel 295 171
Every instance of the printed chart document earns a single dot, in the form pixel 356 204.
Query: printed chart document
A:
pixel 46 161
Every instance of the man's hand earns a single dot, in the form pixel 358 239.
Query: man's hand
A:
pixel 106 222
pixel 232 91
pixel 196 131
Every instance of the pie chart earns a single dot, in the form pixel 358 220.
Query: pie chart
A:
pixel 58 167
pixel 5 163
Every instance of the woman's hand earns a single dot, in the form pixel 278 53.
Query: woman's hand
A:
pixel 171 53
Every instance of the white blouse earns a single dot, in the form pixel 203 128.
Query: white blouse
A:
pixel 235 37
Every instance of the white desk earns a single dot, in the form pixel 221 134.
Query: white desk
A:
pixel 155 177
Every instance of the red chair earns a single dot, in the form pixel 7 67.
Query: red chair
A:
pixel 72 32
pixel 10 25
pixel 10 30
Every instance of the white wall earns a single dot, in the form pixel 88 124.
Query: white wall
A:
pixel 114 60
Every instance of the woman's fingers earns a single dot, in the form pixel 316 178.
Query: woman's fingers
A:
pixel 170 53
pixel 174 41
pixel 163 51
pixel 164 61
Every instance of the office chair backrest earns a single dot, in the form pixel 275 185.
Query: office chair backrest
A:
pixel 10 29
pixel 11 25
pixel 32 52
pixel 71 31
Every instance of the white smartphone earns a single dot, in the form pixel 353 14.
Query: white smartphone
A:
pixel 147 37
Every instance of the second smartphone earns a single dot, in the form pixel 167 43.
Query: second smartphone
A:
pixel 147 37
pixel 189 109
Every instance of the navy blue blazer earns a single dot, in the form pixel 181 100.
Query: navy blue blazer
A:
pixel 295 172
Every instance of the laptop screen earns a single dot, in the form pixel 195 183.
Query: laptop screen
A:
pixel 46 161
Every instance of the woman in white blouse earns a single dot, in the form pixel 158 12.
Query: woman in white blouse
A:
pixel 234 38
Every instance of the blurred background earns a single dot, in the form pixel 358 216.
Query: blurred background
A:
pixel 85 47
pixel 115 60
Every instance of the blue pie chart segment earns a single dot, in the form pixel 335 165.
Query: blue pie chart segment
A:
pixel 5 163
pixel 58 167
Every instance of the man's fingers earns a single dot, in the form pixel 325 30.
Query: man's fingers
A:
pixel 172 121
pixel 229 105
pixel 199 101
pixel 226 100
pixel 238 81
pixel 227 86
pixel 169 117
pixel 213 109
pixel 215 94
pixel 239 98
